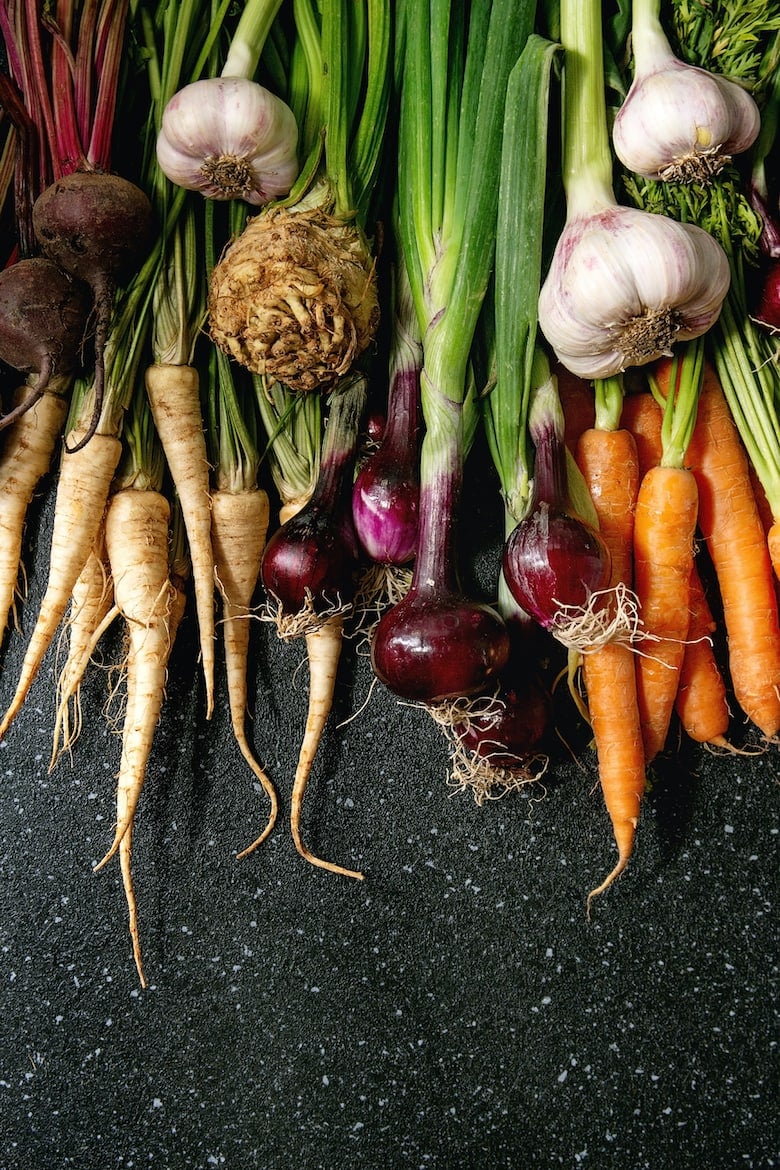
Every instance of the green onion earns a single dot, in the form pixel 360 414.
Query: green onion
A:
pixel 435 644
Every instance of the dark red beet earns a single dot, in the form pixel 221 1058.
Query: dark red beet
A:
pixel 43 314
pixel 431 647
pixel 97 227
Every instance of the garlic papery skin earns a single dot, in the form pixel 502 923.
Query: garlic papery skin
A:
pixel 678 123
pixel 624 285
pixel 229 138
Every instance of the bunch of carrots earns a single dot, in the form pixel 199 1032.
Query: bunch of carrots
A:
pixel 324 322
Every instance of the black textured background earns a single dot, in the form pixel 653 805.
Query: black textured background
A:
pixel 454 1010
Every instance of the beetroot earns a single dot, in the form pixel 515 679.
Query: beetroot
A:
pixel 97 227
pixel 43 314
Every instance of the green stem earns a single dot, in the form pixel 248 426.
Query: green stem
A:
pixel 587 161
pixel 247 41
pixel 608 395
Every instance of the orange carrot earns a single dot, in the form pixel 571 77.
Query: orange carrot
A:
pixel 642 416
pixel 173 392
pixel 26 456
pixel 664 530
pixel 239 522
pixel 731 525
pixel 608 461
pixel 576 395
pixel 82 489
pixel 701 702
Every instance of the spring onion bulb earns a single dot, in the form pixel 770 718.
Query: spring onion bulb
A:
pixel 679 123
pixel 623 284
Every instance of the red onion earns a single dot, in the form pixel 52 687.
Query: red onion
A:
pixel 553 560
pixel 309 562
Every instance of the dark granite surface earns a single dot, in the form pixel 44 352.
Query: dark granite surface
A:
pixel 454 1010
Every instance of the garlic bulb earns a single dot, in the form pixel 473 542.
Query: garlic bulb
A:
pixel 678 122
pixel 229 138
pixel 624 285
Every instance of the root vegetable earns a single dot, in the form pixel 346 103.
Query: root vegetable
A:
pixel 43 315
pixel 25 459
pixel 323 649
pixel 174 398
pixel 82 490
pixel 137 546
pixel 97 227
pixel 239 521
pixel 664 528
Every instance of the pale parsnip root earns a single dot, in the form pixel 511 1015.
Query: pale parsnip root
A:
pixel 323 647
pixel 137 547
pixel 26 456
pixel 175 401
pixel 91 613
pixel 82 489
pixel 239 522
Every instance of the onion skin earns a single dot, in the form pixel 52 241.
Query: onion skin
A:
pixel 310 559
pixel 554 559
pixel 385 507
pixel 507 738
pixel 428 647
pixel 767 311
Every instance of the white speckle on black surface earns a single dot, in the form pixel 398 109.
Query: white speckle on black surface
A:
pixel 455 1010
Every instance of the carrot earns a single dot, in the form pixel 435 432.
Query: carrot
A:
pixel 608 461
pixel 26 456
pixel 323 648
pixel 82 489
pixel 731 526
pixel 701 702
pixel 91 613
pixel 664 531
pixel 173 392
pixel 137 546
pixel 643 417
pixel 239 522
pixel 576 397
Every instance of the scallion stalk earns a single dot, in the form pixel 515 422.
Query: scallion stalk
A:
pixel 435 644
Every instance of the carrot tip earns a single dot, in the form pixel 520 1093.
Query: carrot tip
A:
pixel 608 880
